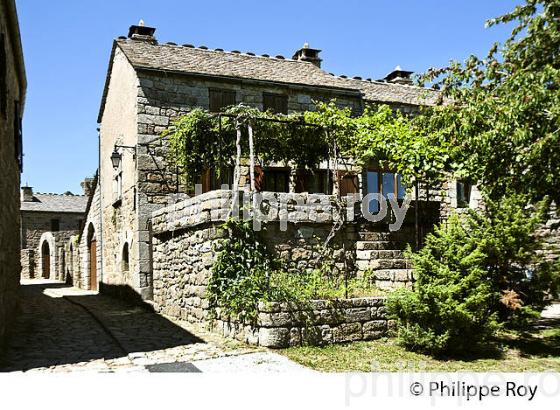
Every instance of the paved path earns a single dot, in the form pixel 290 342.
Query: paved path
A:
pixel 550 317
pixel 63 329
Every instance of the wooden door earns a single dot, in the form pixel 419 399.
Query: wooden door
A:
pixel 93 264
pixel 46 258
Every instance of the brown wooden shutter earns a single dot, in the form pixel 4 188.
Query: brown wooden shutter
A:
pixel 220 99
pixel 348 184
pixel 206 180
pixel 276 103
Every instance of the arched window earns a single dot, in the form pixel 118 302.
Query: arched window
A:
pixel 125 258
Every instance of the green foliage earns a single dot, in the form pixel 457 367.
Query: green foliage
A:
pixel 449 309
pixel 241 270
pixel 245 273
pixel 200 140
pixel 475 273
pixel 502 119
pixel 315 285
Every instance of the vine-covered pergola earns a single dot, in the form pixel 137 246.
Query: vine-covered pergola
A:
pixel 200 140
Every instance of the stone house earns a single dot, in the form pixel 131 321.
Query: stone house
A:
pixel 149 84
pixel 13 85
pixel 48 221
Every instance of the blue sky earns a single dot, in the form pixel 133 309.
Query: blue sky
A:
pixel 67 44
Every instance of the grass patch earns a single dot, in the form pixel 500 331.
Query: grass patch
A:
pixel 519 352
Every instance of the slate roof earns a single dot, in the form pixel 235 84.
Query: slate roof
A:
pixel 226 64
pixel 379 91
pixel 56 203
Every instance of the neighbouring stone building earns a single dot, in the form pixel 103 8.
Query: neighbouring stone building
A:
pixel 48 221
pixel 13 85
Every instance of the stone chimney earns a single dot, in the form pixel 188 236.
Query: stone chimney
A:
pixel 87 186
pixel 399 76
pixel 142 33
pixel 308 54
pixel 26 194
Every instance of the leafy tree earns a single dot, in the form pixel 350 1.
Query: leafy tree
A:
pixel 502 113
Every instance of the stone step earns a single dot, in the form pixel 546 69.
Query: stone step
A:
pixel 381 245
pixel 379 254
pixel 386 236
pixel 394 275
pixel 375 264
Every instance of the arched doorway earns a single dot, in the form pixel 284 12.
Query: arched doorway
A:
pixel 92 253
pixel 46 260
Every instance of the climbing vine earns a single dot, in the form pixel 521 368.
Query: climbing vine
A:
pixel 200 140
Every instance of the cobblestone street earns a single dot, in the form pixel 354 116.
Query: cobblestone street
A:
pixel 63 329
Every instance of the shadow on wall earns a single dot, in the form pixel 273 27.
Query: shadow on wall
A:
pixel 55 330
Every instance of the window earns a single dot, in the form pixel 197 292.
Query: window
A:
pixel 276 180
pixel 277 103
pixel 220 99
pixel 125 258
pixel 348 184
pixel 318 181
pixel 386 183
pixel 117 188
pixel 3 79
pixel 55 225
pixel 463 194
pixel 211 179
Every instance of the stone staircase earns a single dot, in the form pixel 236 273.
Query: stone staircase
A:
pixel 382 254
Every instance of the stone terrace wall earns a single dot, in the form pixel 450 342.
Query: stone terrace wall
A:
pixel 186 233
pixel 319 322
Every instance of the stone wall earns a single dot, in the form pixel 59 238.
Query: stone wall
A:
pixel 36 229
pixel 119 214
pixel 550 235
pixel 315 323
pixel 34 224
pixel 78 247
pixel 185 235
pixel 11 109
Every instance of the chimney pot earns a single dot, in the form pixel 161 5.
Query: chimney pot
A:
pixel 399 76
pixel 87 186
pixel 142 33
pixel 308 54
pixel 26 194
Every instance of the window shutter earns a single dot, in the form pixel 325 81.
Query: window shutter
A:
pixel 276 103
pixel 348 184
pixel 220 99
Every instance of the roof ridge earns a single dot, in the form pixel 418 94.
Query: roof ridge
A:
pixel 221 51
pixel 57 194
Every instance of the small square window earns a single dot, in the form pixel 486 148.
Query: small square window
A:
pixel 55 225
pixel 277 103
pixel 276 180
pixel 220 99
